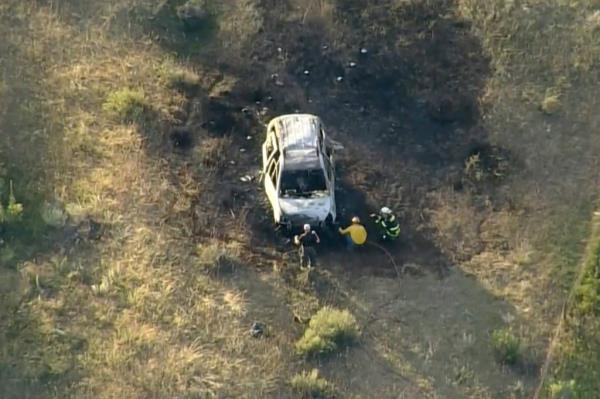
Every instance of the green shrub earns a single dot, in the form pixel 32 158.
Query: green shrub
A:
pixel 562 390
pixel 127 104
pixel 329 330
pixel 310 385
pixel 506 345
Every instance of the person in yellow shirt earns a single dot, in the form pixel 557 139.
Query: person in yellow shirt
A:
pixel 356 234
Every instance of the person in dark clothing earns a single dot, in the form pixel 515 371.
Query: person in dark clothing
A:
pixel 307 241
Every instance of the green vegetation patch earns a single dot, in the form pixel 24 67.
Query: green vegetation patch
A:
pixel 507 346
pixel 13 210
pixel 328 331
pixel 127 104
pixel 562 390
pixel 310 385
pixel 578 367
pixel 587 295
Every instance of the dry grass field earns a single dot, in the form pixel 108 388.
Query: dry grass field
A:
pixel 139 261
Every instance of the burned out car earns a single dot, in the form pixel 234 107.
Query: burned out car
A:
pixel 298 171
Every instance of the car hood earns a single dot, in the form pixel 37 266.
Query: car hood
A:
pixel 309 208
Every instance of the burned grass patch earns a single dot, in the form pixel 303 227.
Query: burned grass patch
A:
pixel 181 138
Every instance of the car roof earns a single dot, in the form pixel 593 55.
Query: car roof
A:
pixel 297 132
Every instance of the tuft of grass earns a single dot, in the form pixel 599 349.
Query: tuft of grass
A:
pixel 550 104
pixel 329 330
pixel 127 104
pixel 178 77
pixel 507 346
pixel 473 168
pixel 309 385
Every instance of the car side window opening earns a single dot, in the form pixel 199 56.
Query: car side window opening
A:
pixel 302 182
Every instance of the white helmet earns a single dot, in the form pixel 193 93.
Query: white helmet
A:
pixel 386 211
pixel 307 227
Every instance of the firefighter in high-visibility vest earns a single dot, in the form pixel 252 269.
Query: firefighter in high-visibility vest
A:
pixel 388 223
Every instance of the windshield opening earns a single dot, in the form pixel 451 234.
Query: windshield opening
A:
pixel 298 183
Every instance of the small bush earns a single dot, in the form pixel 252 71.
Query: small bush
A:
pixel 329 330
pixel 127 104
pixel 309 385
pixel 562 390
pixel 550 104
pixel 506 345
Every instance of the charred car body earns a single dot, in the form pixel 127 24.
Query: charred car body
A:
pixel 298 171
